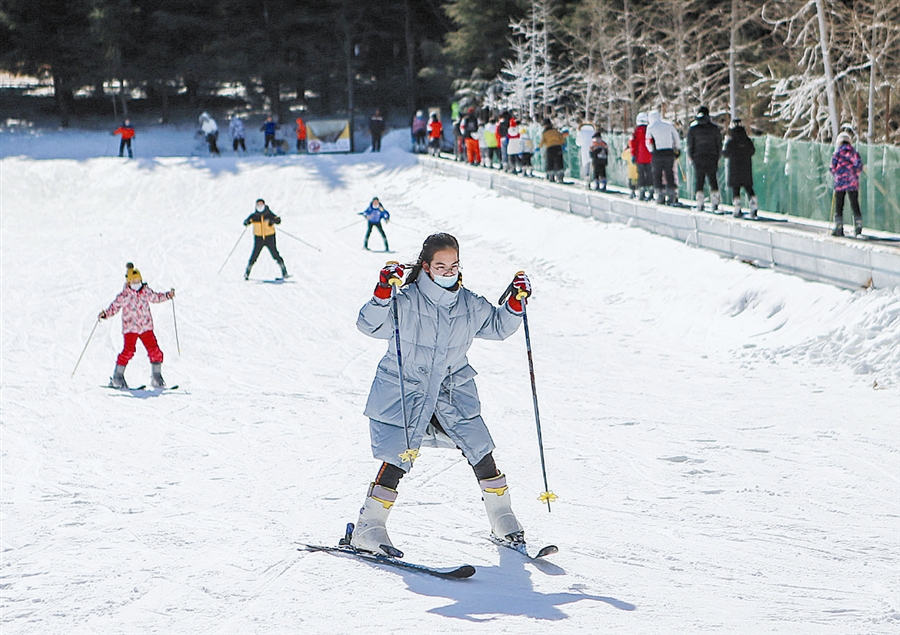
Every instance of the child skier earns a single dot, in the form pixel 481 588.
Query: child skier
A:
pixel 632 170
pixel 375 213
pixel 846 166
pixel 263 221
pixel 127 132
pixel 438 320
pixel 137 324
pixel 599 153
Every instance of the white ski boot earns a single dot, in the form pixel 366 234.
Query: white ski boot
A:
pixel 156 378
pixel 495 494
pixel 700 200
pixel 754 207
pixel 370 533
pixel 118 378
pixel 714 200
pixel 737 213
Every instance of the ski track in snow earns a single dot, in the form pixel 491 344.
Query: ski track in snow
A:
pixel 724 440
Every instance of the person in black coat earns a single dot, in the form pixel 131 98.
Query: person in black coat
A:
pixel 376 129
pixel 704 149
pixel 739 150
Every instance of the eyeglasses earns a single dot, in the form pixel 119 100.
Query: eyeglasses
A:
pixel 443 270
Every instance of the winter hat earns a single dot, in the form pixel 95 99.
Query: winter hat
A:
pixel 641 119
pixel 703 111
pixel 844 138
pixel 131 274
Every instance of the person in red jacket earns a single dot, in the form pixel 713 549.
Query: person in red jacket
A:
pixel 137 323
pixel 127 132
pixel 642 157
pixel 301 135
pixel 435 134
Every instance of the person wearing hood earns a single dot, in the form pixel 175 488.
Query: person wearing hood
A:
pixel 236 128
pixel 438 321
pixel 127 132
pixel 665 146
pixel 264 221
pixel 210 131
pixel 642 157
pixel 846 166
pixel 704 142
pixel 137 324
pixel 739 151
pixel 584 136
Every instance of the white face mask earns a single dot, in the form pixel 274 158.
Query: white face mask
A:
pixel 260 208
pixel 446 281
pixel 136 285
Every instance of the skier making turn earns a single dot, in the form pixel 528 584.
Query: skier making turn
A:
pixel 137 323
pixel 438 320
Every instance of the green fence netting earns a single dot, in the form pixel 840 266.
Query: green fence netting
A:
pixel 790 177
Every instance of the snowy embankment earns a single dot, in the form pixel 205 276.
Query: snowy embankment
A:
pixel 724 440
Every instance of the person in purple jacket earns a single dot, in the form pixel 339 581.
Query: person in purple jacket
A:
pixel 846 166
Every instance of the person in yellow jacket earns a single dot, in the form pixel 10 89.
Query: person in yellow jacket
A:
pixel 632 171
pixel 263 221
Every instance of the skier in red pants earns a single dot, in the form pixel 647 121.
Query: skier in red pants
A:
pixel 137 323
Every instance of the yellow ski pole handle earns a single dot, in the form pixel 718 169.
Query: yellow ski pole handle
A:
pixel 394 280
pixel 521 293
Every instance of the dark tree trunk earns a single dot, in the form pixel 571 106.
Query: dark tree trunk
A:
pixel 63 95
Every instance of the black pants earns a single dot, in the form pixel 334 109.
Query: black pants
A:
pixel 645 175
pixel 380 231
pixel 270 140
pixel 554 156
pixel 213 146
pixel 663 166
pixel 704 170
pixel 238 142
pixel 301 145
pixel 748 187
pixel 376 142
pixel 125 143
pixel 265 241
pixel 839 205
pixel 599 170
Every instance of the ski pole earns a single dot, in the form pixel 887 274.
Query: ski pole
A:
pixel 232 251
pixel 346 227
pixel 85 347
pixel 410 454
pixel 299 240
pixel 175 322
pixel 546 496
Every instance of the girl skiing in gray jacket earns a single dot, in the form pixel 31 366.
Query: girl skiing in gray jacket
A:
pixel 438 320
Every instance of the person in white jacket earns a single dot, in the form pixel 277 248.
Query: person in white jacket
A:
pixel 583 137
pixel 210 130
pixel 665 146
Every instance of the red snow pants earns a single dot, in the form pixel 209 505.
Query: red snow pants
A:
pixel 473 153
pixel 149 341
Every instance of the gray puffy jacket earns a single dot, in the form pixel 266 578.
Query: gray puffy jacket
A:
pixel 437 328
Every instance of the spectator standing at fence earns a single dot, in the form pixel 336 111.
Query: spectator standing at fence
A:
pixel 236 129
pixel 704 142
pixel 665 146
pixel 846 166
pixel 491 144
pixel 435 135
pixel 584 137
pixel 376 129
pixel 127 132
pixel 469 128
pixel 514 147
pixel 643 158
pixel 420 131
pixel 552 142
pixel 599 157
pixel 739 151
pixel 301 135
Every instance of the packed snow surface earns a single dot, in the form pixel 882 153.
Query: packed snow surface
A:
pixel 723 440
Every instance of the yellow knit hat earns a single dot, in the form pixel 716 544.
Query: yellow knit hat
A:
pixel 131 274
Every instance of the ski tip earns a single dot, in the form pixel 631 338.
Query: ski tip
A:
pixel 465 571
pixel 549 550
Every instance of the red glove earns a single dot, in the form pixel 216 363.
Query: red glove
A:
pixel 521 289
pixel 390 275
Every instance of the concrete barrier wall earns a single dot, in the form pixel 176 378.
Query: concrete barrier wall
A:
pixel 807 252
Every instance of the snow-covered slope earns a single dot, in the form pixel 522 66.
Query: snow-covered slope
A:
pixel 724 440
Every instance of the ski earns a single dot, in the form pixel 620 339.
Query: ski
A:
pixel 522 548
pixel 129 389
pixel 450 573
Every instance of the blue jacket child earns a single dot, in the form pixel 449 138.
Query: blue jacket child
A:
pixel 374 214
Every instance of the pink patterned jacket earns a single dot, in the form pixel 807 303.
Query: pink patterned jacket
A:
pixel 135 307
